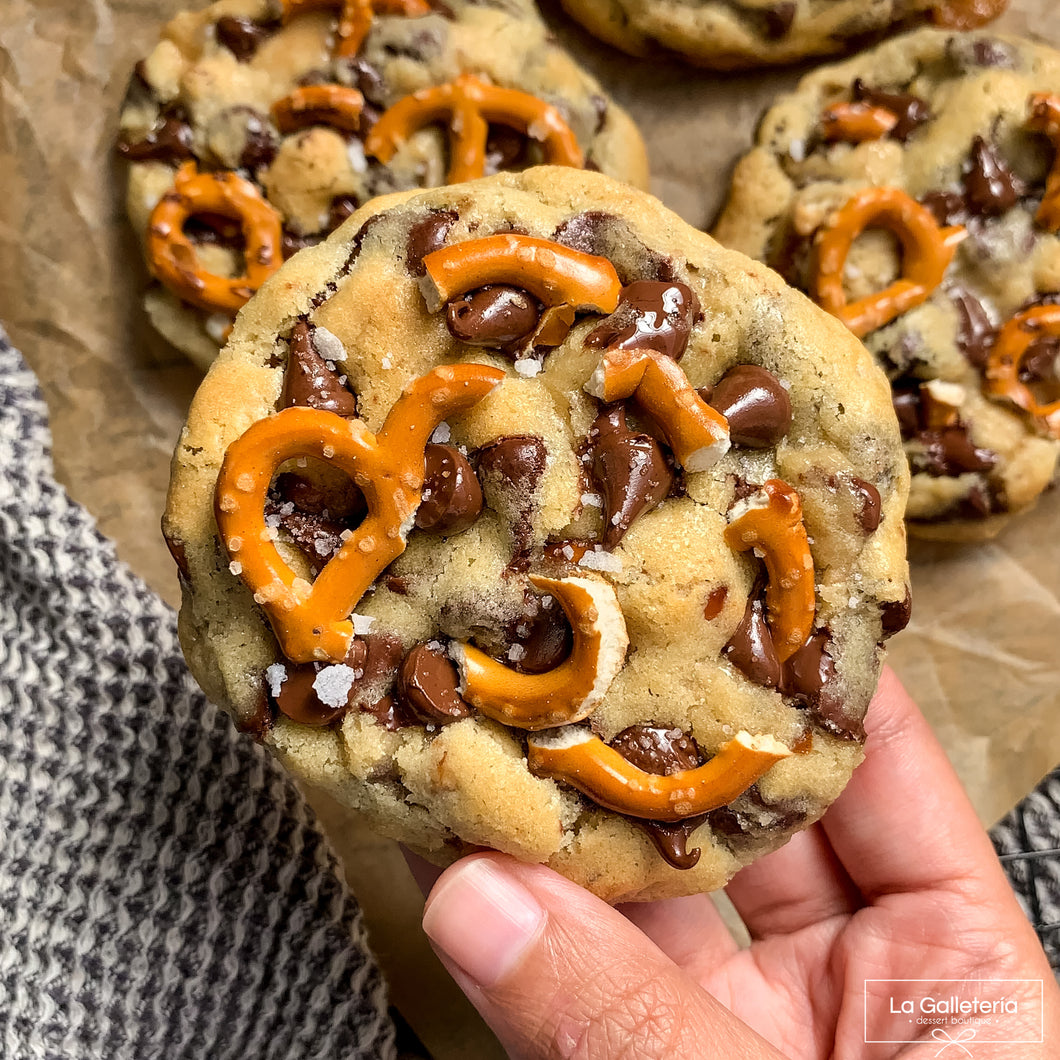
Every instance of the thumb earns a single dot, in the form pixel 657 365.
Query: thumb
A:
pixel 557 973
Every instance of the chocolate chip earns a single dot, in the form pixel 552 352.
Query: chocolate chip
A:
pixel 657 750
pixel 947 207
pixel 427 684
pixel 895 614
pixel 868 511
pixel 979 51
pixel 975 331
pixel 810 679
pixel 950 452
pixel 389 712
pixel 1039 362
pixel 342 206
pixel 499 315
pixel 292 242
pixel 243 36
pixel 910 110
pixel 506 148
pixel 750 649
pixel 452 497
pixel 630 471
pixel 906 400
pixel 541 636
pixel 168 141
pixel 757 407
pixel 600 108
pixel 260 145
pixel 510 469
pixel 990 186
pixel 651 315
pixel 426 235
pixel 309 382
pixel 671 840
pixel 214 229
pixel 363 76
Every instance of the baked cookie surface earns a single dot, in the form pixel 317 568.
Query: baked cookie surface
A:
pixel 607 520
pixel 939 148
pixel 739 34
pixel 255 127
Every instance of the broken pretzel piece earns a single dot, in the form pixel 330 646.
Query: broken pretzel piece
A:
pixel 336 106
pixel 1002 370
pixel 570 691
pixel 697 433
pixel 856 122
pixel 1045 118
pixel 770 522
pixel 469 105
pixel 311 621
pixel 577 757
pixel 172 254
pixel 354 17
pixel 927 251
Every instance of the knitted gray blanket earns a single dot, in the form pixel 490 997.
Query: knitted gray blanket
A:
pixel 164 890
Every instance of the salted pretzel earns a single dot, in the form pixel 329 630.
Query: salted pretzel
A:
pixel 355 17
pixel 927 250
pixel 770 522
pixel 334 105
pixel 570 691
pixel 469 104
pixel 856 122
pixel 1045 118
pixel 697 433
pixel 1003 365
pixel 584 761
pixel 966 14
pixel 311 621
pixel 172 255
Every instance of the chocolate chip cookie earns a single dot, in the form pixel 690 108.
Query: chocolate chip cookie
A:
pixel 912 191
pixel 743 34
pixel 520 514
pixel 256 127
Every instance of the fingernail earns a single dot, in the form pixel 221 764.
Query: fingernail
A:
pixel 482 920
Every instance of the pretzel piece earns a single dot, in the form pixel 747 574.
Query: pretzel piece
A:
pixel 311 621
pixel 551 272
pixel 570 691
pixel 770 522
pixel 584 761
pixel 172 255
pixel 927 251
pixel 966 14
pixel 469 104
pixel 697 433
pixel 856 122
pixel 355 17
pixel 1003 365
pixel 334 105
pixel 1045 118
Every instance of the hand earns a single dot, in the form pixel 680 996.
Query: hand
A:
pixel 897 881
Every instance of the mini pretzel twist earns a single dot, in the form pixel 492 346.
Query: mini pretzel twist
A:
pixel 1003 365
pixel 927 251
pixel 966 14
pixel 573 689
pixel 334 105
pixel 697 433
pixel 311 621
pixel 856 122
pixel 355 17
pixel 587 763
pixel 1045 118
pixel 469 105
pixel 551 272
pixel 172 255
pixel 770 522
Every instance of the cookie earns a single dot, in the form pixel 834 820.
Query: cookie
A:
pixel 743 34
pixel 520 514
pixel 942 146
pixel 256 127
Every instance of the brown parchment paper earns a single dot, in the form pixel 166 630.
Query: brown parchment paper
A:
pixel 981 654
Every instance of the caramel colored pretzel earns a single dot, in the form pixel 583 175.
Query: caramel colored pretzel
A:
pixel 856 122
pixel 311 621
pixel 966 14
pixel 551 272
pixel 697 433
pixel 587 763
pixel 927 251
pixel 469 105
pixel 334 105
pixel 770 522
pixel 573 689
pixel 1003 365
pixel 172 255
pixel 1045 118
pixel 355 17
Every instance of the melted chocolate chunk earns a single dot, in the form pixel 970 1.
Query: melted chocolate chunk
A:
pixel 977 51
pixel 362 75
pixel 975 331
pixel 1039 362
pixel 629 469
pixel 608 236
pixel 895 614
pixel 947 207
pixel 389 713
pixel 810 679
pixel 342 206
pixel 506 148
pixel 168 141
pixel 426 235
pixel 309 382
pixel 910 110
pixel 715 602
pixel 671 840
pixel 315 517
pixel 650 316
pixel 868 512
pixel 452 497
pixel 990 186
pixel 750 649
pixel 243 36
pixel 542 636
pixel 318 537
pixel 215 229
pixel 756 406
pixel 906 400
pixel 293 242
pixel 427 684
pixel 750 814
pixel 260 144
pixel 499 315
pixel 950 452
pixel 510 469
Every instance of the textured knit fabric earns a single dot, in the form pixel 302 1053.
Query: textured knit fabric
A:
pixel 164 892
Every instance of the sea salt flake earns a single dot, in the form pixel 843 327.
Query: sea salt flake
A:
pixel 236 567
pixel 442 433
pixel 361 623
pixel 516 652
pixel 333 683
pixel 275 675
pixel 592 500
pixel 528 367
pixel 601 561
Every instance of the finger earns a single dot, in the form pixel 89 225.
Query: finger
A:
pixel 557 973
pixel 800 884
pixel 690 931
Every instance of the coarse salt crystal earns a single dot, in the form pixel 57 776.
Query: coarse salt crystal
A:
pixel 516 652
pixel 333 684
pixel 361 623
pixel 236 567
pixel 442 433
pixel 592 500
pixel 275 675
pixel 528 367
pixel 601 561
pixel 386 362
